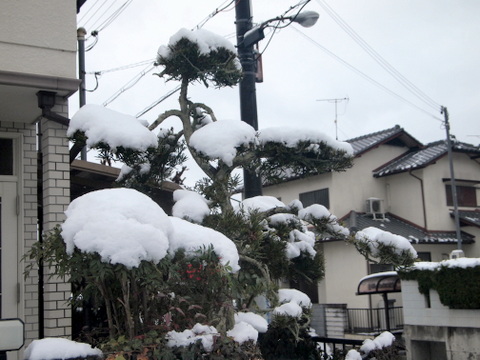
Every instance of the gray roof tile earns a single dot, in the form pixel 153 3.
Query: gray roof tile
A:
pixel 419 158
pixel 395 225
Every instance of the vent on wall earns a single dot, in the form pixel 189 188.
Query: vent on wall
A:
pixel 375 208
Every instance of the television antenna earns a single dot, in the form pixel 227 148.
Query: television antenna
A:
pixel 336 101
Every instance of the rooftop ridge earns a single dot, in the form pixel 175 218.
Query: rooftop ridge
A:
pixel 397 128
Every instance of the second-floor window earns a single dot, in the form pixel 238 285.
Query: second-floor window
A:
pixel 466 195
pixel 315 197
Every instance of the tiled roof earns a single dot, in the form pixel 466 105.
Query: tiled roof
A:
pixel 420 158
pixel 393 135
pixel 471 217
pixel 416 235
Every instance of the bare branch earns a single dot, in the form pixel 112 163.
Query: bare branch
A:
pixel 162 117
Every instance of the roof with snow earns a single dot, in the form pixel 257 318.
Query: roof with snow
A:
pixel 396 225
pixel 420 158
pixel 469 217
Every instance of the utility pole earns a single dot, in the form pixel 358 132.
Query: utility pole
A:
pixel 248 98
pixel 81 32
pixel 336 101
pixel 452 179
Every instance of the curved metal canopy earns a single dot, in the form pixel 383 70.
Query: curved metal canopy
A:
pixel 379 283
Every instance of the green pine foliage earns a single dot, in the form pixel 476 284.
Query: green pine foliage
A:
pixel 187 63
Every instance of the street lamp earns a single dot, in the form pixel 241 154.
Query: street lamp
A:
pixel 247 37
pixel 254 35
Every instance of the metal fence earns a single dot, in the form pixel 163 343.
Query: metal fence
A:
pixel 373 320
pixel 334 347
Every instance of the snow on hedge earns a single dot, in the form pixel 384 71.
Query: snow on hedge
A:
pixel 190 205
pixel 193 237
pixel 297 296
pixel 126 227
pixel 451 263
pixel 114 128
pixel 385 339
pixel 220 139
pixel 59 349
pixel 257 321
pixel 123 226
pixel 375 237
pixel 189 336
pixel 207 41
pixel 243 332
pixel 289 309
pixel 292 301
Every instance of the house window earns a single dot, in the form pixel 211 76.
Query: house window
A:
pixel 424 256
pixel 377 268
pixel 315 197
pixel 466 196
pixel 6 156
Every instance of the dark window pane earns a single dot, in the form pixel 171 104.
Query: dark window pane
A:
pixel 6 156
pixel 315 197
pixel 466 196
pixel 376 268
pixel 424 256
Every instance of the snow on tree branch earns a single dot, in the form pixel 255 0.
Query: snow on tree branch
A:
pixel 384 246
pixel 102 125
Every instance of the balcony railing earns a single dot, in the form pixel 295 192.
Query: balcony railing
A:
pixel 373 320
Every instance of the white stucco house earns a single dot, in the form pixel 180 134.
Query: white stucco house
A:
pixel 38 45
pixel 399 185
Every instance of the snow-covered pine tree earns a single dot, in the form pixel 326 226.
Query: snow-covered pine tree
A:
pixel 275 241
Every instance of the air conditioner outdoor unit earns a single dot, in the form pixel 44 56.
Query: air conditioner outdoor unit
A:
pixel 456 254
pixel 375 207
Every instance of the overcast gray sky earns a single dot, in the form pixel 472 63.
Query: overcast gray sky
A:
pixel 432 43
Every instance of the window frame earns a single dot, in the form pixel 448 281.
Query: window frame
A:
pixel 320 196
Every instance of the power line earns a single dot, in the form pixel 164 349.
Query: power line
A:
pixel 378 58
pixel 132 82
pixel 374 82
pixel 80 21
pixel 218 10
pixel 99 17
pixel 158 101
pixel 113 16
pixel 124 67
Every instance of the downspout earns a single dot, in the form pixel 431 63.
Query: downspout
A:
pixel 41 284
pixel 423 198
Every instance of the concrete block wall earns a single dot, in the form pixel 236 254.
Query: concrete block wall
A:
pixel 336 319
pixel 433 331
pixel 416 311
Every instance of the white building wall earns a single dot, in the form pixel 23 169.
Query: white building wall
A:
pixel 437 209
pixel 344 267
pixel 404 196
pixel 38 37
pixel 347 190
